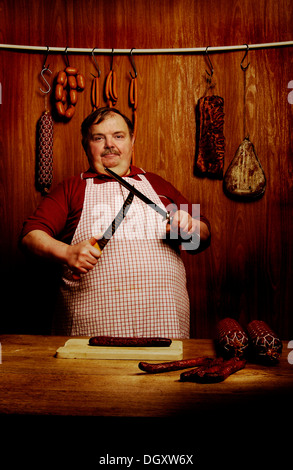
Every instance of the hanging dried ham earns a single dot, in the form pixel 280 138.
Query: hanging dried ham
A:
pixel 245 178
pixel 210 137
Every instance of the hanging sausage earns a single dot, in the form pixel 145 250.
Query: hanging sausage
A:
pixel 111 89
pixel 45 152
pixel 95 90
pixel 95 93
pixel 44 164
pixel 133 100
pixel 111 86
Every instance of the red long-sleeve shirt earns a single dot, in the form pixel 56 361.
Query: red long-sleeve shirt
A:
pixel 59 212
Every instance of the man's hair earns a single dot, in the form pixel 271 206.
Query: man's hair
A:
pixel 99 116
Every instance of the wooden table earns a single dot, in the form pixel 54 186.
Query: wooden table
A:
pixel 33 381
pixel 192 417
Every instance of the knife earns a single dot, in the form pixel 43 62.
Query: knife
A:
pixel 166 215
pixel 133 190
pixel 102 242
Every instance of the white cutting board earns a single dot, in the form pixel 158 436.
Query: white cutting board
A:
pixel 78 348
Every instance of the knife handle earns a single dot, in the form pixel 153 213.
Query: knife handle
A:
pixel 76 277
pixel 181 239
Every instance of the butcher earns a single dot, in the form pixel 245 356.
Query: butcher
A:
pixel 136 285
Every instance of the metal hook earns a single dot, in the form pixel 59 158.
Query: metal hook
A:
pixel 246 52
pixel 112 59
pixel 97 65
pixel 46 69
pixel 66 56
pixel 133 65
pixel 210 64
pixel 44 64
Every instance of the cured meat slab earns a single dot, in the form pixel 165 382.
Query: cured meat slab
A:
pixel 210 137
pixel 78 348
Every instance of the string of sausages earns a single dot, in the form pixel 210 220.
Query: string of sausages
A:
pixel 68 83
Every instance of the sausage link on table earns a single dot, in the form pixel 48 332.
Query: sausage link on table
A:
pixel 217 372
pixel 188 375
pixel 136 342
pixel 174 365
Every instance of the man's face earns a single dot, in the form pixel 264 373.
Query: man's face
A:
pixel 110 145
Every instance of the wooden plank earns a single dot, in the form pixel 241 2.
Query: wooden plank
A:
pixel 80 349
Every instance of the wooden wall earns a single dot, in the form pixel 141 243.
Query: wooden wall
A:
pixel 247 271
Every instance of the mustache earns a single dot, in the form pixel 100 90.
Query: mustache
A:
pixel 110 152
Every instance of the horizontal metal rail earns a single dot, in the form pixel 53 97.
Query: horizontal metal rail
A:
pixel 183 50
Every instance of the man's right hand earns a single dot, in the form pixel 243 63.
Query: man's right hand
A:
pixel 83 256
pixel 80 258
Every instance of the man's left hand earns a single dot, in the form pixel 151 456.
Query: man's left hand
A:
pixel 182 223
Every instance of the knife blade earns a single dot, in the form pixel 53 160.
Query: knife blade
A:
pixel 102 242
pixel 192 242
pixel 132 189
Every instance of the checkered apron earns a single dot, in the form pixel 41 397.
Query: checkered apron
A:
pixel 138 286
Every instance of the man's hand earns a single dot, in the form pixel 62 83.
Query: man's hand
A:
pixel 83 256
pixel 80 258
pixel 183 224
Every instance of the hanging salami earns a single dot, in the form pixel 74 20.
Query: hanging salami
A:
pixel 44 164
pixel 45 152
